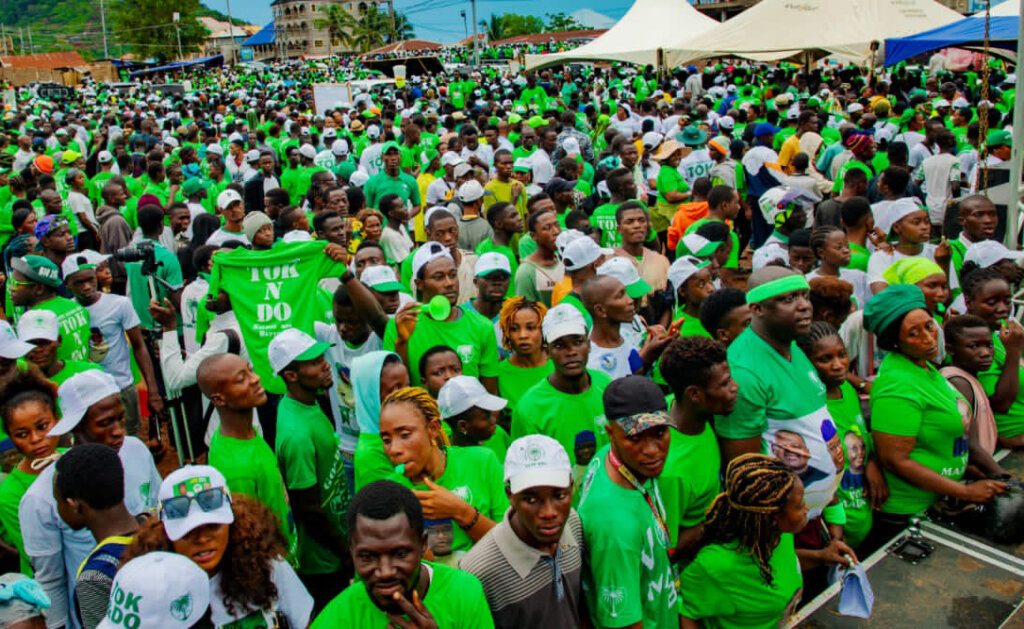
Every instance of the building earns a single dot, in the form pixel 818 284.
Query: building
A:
pixel 225 39
pixel 295 31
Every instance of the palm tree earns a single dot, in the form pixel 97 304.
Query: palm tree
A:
pixel 494 28
pixel 340 26
pixel 403 28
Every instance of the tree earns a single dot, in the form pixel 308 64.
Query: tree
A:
pixel 340 27
pixel 562 22
pixel 149 26
pixel 511 25
pixel 403 28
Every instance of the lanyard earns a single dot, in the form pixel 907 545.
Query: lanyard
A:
pixel 656 508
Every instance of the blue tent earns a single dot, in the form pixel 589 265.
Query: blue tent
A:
pixel 263 37
pixel 214 61
pixel 966 33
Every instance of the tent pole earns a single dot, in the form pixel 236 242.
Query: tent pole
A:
pixel 1013 204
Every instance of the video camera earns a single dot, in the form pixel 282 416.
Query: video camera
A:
pixel 142 251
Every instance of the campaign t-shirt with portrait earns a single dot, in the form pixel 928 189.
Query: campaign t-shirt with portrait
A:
pixel 250 467
pixel 858 447
pixel 690 479
pixel 113 315
pixel 293 603
pixel 74 327
pixel 783 402
pixel 309 456
pixel 475 475
pixel 343 401
pixel 454 598
pixel 912 401
pixel 1010 423
pixel 575 420
pixel 630 578
pixel 615 362
pixel 471 336
pixel 724 589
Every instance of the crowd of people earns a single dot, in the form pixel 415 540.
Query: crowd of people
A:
pixel 579 347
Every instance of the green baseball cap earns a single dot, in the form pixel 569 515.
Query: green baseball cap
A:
pixel 388 146
pixel 38 269
pixel 192 186
pixel 999 138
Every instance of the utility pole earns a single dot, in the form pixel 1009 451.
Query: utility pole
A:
pixel 231 34
pixel 103 25
pixel 476 47
pixel 21 39
pixel 394 33
pixel 31 48
pixel 177 29
pixel 465 25
pixel 3 37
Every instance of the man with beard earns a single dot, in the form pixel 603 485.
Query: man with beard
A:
pixel 396 588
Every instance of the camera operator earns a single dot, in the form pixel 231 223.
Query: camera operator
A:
pixel 163 265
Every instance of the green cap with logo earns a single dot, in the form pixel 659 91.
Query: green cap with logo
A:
pixel 38 269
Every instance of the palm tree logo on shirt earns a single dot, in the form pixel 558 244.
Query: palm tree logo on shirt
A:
pixel 181 607
pixel 613 596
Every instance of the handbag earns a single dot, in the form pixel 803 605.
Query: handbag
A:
pixel 856 597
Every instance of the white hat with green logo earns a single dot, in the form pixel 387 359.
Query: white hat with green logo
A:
pixel 158 590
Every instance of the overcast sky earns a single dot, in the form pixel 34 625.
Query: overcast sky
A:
pixel 439 20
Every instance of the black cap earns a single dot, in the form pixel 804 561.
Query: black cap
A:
pixel 627 399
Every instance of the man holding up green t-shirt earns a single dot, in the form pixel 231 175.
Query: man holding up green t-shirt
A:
pixel 781 408
pixel 245 459
pixel 310 459
pixel 395 586
pixel 630 582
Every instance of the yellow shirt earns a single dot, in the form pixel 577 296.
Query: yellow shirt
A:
pixel 502 192
pixel 788 151
pixel 424 180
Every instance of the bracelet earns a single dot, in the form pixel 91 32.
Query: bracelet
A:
pixel 472 523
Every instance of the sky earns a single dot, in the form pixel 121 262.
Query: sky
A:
pixel 439 20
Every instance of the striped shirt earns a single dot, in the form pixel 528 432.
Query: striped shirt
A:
pixel 526 587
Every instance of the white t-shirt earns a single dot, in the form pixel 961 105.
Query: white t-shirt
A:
pixel 44 534
pixel 483 151
pixel 617 362
pixel 114 315
pixel 293 601
pixel 697 164
pixel 343 401
pixel 396 244
pixel 880 261
pixel 543 169
pixel 370 161
pixel 940 172
pixel 191 300
pixel 222 236
pixel 439 190
pixel 78 203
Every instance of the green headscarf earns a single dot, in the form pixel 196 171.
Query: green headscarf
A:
pixel 889 305
pixel 911 271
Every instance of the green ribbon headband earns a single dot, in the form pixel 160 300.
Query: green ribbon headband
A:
pixel 774 288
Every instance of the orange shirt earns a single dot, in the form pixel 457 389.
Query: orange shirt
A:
pixel 686 215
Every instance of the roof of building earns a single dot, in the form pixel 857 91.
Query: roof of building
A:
pixel 49 60
pixel 264 37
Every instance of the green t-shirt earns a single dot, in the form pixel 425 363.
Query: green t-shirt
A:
pixel 12 488
pixel 74 327
pixel 910 401
pixel 858 446
pixel 783 402
pixel 837 186
pixel 370 461
pixel 514 381
pixel 70 368
pixel 576 421
pixel 404 185
pixel 270 292
pixel 630 578
pixel 734 254
pixel 859 257
pixel 454 598
pixel 724 589
pixel 168 269
pixel 603 218
pixel 498 444
pixel 471 336
pixel 669 179
pixel 309 455
pixel 475 475
pixel 250 468
pixel 1010 423
pixel 689 481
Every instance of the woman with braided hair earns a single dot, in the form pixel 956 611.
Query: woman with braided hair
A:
pixel 461 490
pixel 528 363
pixel 747 573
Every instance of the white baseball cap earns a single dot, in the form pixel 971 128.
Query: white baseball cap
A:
pixel 339 147
pixel 358 178
pixel 429 252
pixel 171 141
pixel 571 146
pixel 462 169
pixel 105 157
pixel 490 262
pixel 380 278
pixel 76 262
pixel 683 268
pixel 652 139
pixel 291 345
pixel 307 151
pixel 853 108
pixel 450 158
pixel 330 132
pixel 158 590
pixel 462 393
pixel 373 132
pixel 470 191
pixel 566 236
pixel 726 122
pixel 226 198
pixel 625 271
pixel 536 461
pixel 771 252
pixel 252 156
pixel 10 347
pixel 988 252
pixel 216 149
pixel 697 245
pixel 563 320
pixel 78 393
pixel 188 482
pixel 582 251
pixel 38 324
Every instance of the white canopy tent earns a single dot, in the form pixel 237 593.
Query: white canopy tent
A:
pixel 636 38
pixel 774 29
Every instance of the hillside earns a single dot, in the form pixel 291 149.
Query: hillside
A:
pixel 63 25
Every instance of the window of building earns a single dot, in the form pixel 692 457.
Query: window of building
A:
pixel 318 43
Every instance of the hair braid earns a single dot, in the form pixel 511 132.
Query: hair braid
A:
pixel 819 330
pixel 510 309
pixel 426 405
pixel 756 489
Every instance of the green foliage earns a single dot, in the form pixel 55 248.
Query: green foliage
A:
pixel 205 11
pixel 360 34
pixel 511 25
pixel 562 22
pixel 148 26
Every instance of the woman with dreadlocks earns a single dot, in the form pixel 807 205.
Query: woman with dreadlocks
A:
pixel 747 573
pixel 528 363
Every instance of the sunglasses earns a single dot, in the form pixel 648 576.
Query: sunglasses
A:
pixel 16 283
pixel 208 500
